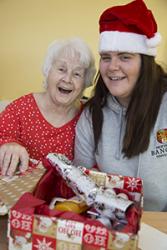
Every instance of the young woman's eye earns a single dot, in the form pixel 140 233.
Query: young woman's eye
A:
pixel 105 58
pixel 125 57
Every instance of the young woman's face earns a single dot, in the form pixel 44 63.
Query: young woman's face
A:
pixel 120 72
pixel 65 81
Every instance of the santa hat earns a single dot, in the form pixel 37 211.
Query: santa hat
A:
pixel 130 28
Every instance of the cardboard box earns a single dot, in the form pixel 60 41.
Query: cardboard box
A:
pixel 12 188
pixel 35 226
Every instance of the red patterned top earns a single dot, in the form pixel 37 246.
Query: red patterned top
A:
pixel 22 122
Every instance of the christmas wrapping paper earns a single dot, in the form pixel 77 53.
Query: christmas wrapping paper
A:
pixel 11 188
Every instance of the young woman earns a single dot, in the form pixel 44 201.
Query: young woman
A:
pixel 123 128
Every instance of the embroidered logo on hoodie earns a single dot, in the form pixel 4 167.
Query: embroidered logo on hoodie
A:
pixel 162 135
pixel 161 150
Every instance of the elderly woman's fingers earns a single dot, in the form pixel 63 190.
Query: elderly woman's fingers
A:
pixel 14 161
pixel 13 155
pixel 2 154
pixel 5 163
pixel 19 160
pixel 24 160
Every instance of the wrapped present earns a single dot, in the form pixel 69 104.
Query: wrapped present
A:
pixel 85 187
pixel 11 188
pixel 33 224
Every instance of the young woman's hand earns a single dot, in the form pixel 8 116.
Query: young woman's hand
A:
pixel 13 157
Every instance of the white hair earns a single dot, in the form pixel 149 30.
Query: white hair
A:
pixel 71 47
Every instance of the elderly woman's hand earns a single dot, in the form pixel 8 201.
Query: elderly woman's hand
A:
pixel 13 155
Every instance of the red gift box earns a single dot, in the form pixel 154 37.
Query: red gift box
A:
pixel 33 225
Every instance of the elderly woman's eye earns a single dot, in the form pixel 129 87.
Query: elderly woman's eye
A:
pixel 61 69
pixel 77 74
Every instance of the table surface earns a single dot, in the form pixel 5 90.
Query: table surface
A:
pixel 155 219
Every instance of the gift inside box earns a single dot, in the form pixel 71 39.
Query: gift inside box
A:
pixel 52 185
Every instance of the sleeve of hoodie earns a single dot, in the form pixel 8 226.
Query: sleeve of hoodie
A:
pixel 84 142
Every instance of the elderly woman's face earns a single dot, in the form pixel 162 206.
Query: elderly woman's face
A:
pixel 66 80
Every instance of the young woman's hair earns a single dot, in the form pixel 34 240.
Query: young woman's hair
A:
pixel 142 110
pixel 71 47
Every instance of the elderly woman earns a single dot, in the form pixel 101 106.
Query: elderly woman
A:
pixel 39 123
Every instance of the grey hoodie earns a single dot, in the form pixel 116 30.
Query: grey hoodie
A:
pixel 151 165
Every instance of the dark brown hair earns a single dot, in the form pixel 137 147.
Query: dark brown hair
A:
pixel 142 110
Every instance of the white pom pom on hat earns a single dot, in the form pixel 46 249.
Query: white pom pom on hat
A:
pixel 129 28
pixel 154 41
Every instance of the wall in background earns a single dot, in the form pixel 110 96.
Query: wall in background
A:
pixel 28 27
